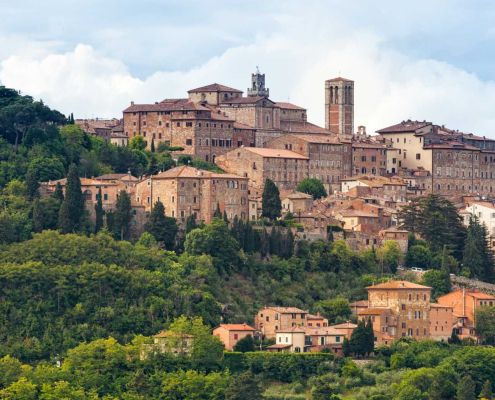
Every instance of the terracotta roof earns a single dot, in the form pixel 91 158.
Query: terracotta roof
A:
pixel 173 100
pixel 320 139
pixel 338 80
pixel 279 346
pixel 244 100
pixel 288 106
pixel 484 204
pixel 294 329
pixel 214 87
pixel 435 305
pixel 115 177
pixel 311 316
pixel 405 126
pixel 302 127
pixel 293 194
pixel 323 331
pixel 84 182
pixel 398 285
pixel 345 325
pixel 238 125
pixel 180 105
pixel 360 303
pixel 374 311
pixel 236 327
pixel 288 310
pixel 451 145
pixel 356 213
pixel 368 145
pixel 190 172
pixel 481 295
pixel 275 153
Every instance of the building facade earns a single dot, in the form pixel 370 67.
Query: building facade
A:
pixel 270 320
pixel 339 106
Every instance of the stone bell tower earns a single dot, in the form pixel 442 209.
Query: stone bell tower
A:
pixel 339 106
pixel 257 88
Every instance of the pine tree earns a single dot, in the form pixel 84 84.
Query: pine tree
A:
pixel 32 184
pixel 466 389
pixel 486 391
pixel 152 145
pixel 346 347
pixel 58 193
pixel 99 212
pixel 271 203
pixel 37 216
pixel 163 228
pixel 74 202
pixel 123 214
pixel 217 213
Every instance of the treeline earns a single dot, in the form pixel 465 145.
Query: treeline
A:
pixel 446 245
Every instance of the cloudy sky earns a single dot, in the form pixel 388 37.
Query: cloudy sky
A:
pixel 428 60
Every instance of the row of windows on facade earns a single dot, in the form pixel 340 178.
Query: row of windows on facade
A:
pixel 295 113
pixel 363 159
pixel 322 178
pixel 229 184
pixel 462 173
pixel 184 112
pixel 182 199
pixel 364 170
pixel 189 124
pixel 294 316
pixel 317 163
pixel 448 187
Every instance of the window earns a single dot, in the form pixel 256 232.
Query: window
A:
pixel 178 124
pixel 188 142
pixel 236 336
pixel 418 156
pixel 188 124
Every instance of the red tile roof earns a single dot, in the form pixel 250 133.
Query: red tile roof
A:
pixel 398 285
pixel 374 311
pixel 244 100
pixel 181 105
pixel 302 127
pixel 236 327
pixel 238 125
pixel 451 145
pixel 434 305
pixel 275 153
pixel 338 80
pixel 367 145
pixel 190 172
pixel 214 87
pixel 289 106
pixel 288 310
pixel 405 126
pixel 321 139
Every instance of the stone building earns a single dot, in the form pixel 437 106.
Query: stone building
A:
pixel 186 191
pixel 339 106
pixel 401 309
pixel 295 202
pixel 284 167
pixel 369 158
pixel 269 320
pixel 329 156
pixel 368 185
pixel 100 127
pixel 230 334
pixel 441 321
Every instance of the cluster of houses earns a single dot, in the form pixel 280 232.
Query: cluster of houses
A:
pixel 396 309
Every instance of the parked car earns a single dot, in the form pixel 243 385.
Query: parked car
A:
pixel 400 268
pixel 416 269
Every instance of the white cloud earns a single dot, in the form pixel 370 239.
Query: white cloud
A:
pixel 389 86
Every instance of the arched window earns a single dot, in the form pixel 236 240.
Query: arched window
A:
pixel 331 94
pixel 213 157
pixel 88 195
pixel 336 95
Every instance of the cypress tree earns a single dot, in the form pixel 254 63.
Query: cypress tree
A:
pixel 472 259
pixel 271 203
pixel 64 222
pixel 370 337
pixel 358 339
pixel 190 223
pixel 225 219
pixel 123 214
pixel 346 347
pixel 153 166
pixel 273 242
pixel 217 213
pixel 486 391
pixel 487 273
pixel 241 229
pixel 264 243
pixel 99 212
pixel 37 216
pixel 234 230
pixel 58 193
pixel 289 244
pixel 152 145
pixel 249 242
pixel 74 202
pixel 445 269
pixel 111 221
pixel 163 228
pixel 280 243
pixel 32 184
pixel 466 389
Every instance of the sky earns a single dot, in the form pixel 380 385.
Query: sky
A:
pixel 424 60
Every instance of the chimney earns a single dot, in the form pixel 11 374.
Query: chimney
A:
pixel 132 103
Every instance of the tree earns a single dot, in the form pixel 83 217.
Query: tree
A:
pixel 215 240
pixel 466 389
pixel 389 256
pixel 137 143
pixel 289 244
pixel 72 210
pixel 99 212
pixel 346 347
pixel 163 228
pixel 153 166
pixel 37 216
pixel 370 337
pixel 123 215
pixel 225 218
pixel 271 203
pixel 244 386
pixel 313 187
pixel 472 259
pixel 32 184
pixel 191 223
pixel 58 193
pixel 485 324
pixel 217 213
pixel 436 280
pixel 245 344
pixel 333 309
pixel 152 145
pixel 359 339
pixel 486 391
pixel 418 257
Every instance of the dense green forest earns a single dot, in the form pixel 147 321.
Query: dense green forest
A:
pixel 78 305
